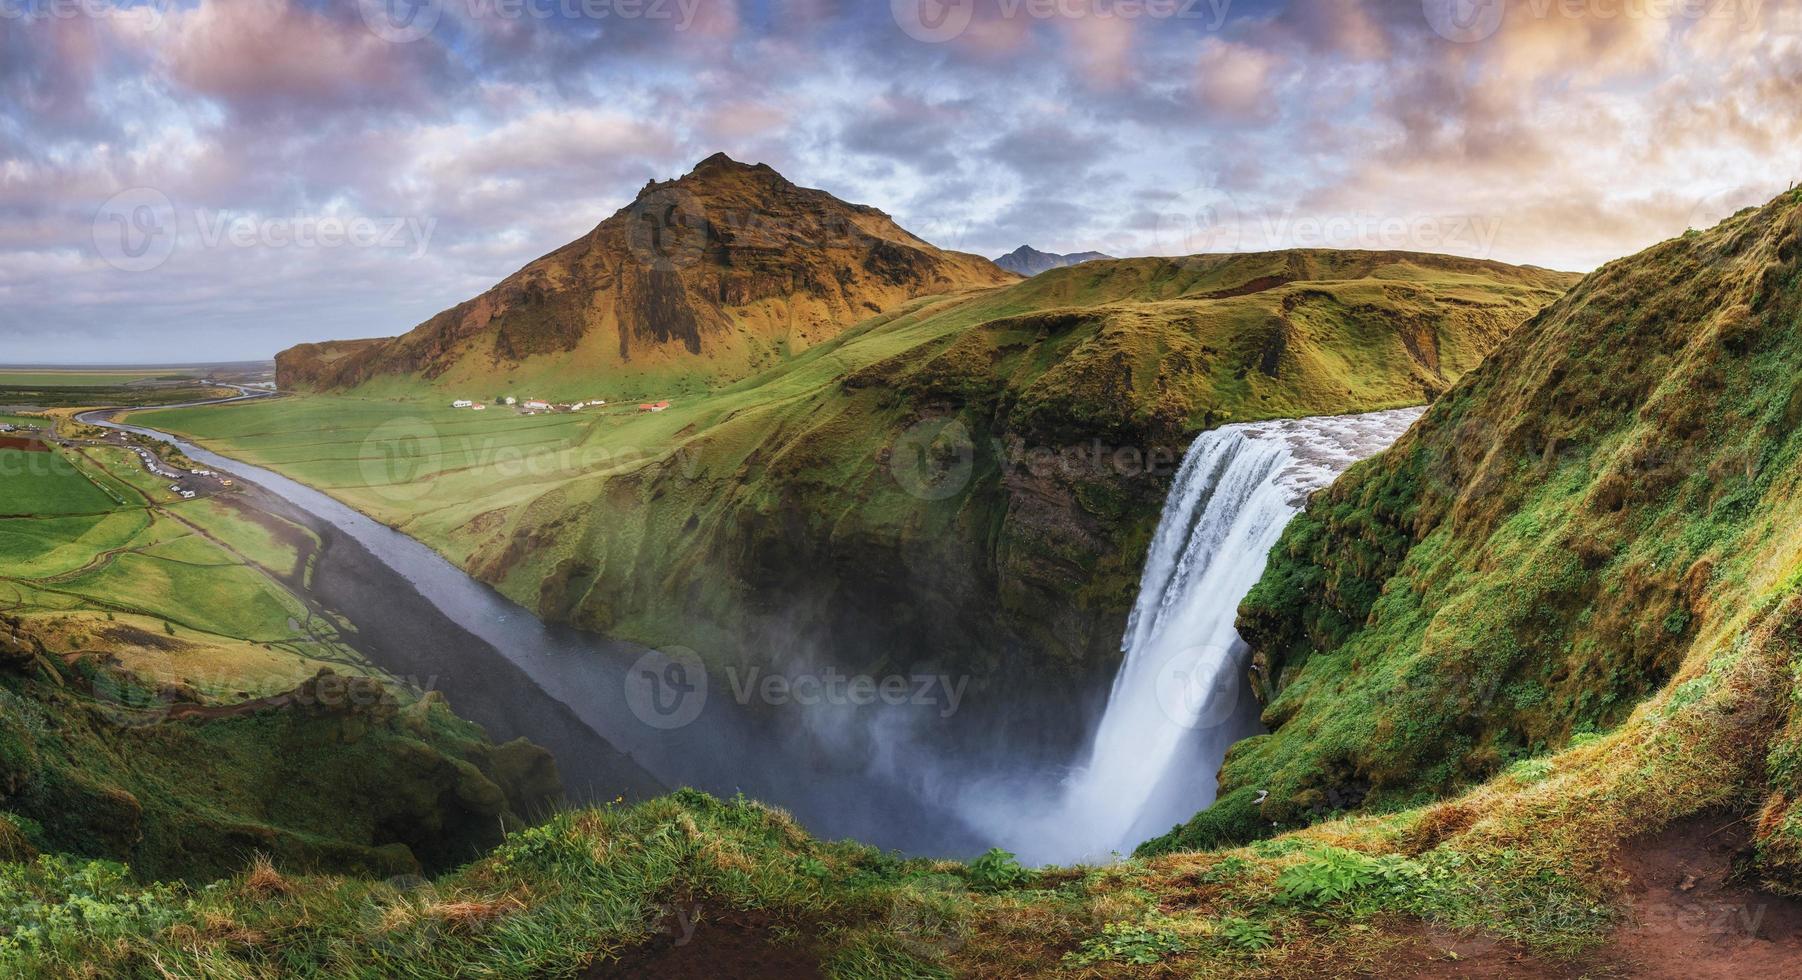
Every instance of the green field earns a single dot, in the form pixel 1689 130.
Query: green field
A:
pixel 89 378
pixel 206 575
pixel 46 483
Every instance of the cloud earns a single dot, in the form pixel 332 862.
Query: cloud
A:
pixel 1236 79
pixel 1576 134
pixel 275 56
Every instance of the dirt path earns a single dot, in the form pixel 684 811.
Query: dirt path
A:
pixel 1690 917
pixel 1693 918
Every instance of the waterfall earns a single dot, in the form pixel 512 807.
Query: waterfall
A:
pixel 1181 697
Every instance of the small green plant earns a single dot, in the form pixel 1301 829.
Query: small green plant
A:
pixel 1227 869
pixel 1125 942
pixel 998 870
pixel 1531 770
pixel 1324 878
pixel 1243 935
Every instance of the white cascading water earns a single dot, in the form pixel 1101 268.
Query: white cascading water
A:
pixel 1181 698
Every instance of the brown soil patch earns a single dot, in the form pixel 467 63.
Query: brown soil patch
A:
pixel 1441 954
pixel 125 635
pixel 1690 918
pixel 1261 284
pixel 1693 917
pixel 28 445
pixel 697 941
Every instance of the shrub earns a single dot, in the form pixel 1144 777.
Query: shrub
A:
pixel 998 870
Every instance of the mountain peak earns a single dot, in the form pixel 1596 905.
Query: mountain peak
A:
pixel 1029 261
pixel 722 162
pixel 704 274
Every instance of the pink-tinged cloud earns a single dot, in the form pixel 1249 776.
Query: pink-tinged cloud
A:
pixel 1101 48
pixel 1236 79
pixel 274 55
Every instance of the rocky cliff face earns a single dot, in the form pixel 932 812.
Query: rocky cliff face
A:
pixel 710 276
pixel 313 366
pixel 1603 513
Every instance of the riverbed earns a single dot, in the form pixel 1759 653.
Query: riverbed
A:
pixel 431 625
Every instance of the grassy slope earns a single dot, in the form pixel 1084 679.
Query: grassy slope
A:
pixel 1607 510
pixel 735 515
pixel 119 620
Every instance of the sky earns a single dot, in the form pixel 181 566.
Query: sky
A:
pixel 206 180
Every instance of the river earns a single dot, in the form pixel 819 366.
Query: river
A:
pixel 424 620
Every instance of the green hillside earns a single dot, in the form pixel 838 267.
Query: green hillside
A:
pixel 1576 576
pixel 971 477
pixel 168 697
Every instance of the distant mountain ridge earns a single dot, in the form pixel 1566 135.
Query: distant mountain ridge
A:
pixel 707 278
pixel 1029 261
